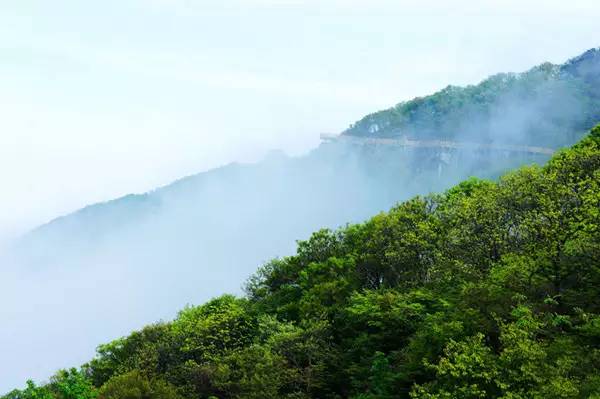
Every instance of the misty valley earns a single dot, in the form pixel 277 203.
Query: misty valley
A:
pixel 447 247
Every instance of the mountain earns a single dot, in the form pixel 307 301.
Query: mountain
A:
pixel 489 290
pixel 118 265
pixel 549 104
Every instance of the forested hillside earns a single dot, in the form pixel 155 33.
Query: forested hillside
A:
pixel 489 290
pixel 549 104
pixel 137 247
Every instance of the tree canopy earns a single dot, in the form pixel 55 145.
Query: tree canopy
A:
pixel 489 290
pixel 550 104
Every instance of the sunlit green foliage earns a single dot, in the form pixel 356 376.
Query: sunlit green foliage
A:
pixel 133 385
pixel 490 290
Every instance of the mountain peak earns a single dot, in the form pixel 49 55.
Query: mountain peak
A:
pixel 592 54
pixel 546 104
pixel 586 65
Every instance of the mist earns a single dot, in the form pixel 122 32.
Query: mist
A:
pixel 114 120
pixel 110 268
pixel 107 269
pixel 101 100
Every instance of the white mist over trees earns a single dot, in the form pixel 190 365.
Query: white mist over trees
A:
pixel 118 265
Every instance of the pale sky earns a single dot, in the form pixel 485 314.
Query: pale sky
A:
pixel 103 98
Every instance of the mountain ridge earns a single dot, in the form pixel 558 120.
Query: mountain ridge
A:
pixel 585 65
pixel 139 258
pixel 436 114
pixel 487 290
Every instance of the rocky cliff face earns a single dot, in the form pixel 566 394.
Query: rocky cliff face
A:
pixel 434 168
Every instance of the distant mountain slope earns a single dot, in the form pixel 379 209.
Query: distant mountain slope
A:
pixel 139 258
pixel 489 290
pixel 550 104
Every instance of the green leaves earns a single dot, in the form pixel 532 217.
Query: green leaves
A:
pixel 134 385
pixel 490 290
pixel 560 105
pixel 72 384
pixel 208 331
pixel 32 391
pixel 66 384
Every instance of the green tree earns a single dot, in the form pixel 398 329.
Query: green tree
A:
pixel 72 384
pixel 133 385
pixel 32 391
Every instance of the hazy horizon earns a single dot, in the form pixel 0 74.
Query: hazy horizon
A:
pixel 104 100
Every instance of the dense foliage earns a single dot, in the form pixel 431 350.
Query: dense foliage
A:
pixel 549 104
pixel 490 290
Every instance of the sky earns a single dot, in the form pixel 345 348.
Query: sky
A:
pixel 101 99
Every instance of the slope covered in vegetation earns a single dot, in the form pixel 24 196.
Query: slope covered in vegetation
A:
pixel 139 246
pixel 549 105
pixel 490 290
